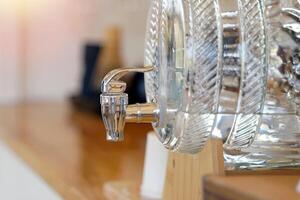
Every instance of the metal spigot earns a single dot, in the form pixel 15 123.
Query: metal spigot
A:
pixel 114 104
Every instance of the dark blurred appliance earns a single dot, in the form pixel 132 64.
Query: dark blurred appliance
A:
pixel 88 97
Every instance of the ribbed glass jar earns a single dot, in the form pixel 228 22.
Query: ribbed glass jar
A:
pixel 227 69
pixel 277 141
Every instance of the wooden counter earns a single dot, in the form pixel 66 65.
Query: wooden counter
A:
pixel 69 150
pixel 252 187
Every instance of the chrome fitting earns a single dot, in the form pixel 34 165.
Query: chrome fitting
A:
pixel 114 104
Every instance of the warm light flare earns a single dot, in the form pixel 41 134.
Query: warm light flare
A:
pixel 10 7
pixel 22 7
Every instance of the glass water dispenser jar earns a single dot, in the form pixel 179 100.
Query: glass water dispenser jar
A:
pixel 228 69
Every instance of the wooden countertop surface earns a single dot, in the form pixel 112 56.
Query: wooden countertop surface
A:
pixel 68 149
pixel 251 187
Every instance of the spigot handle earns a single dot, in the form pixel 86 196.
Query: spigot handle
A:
pixel 111 83
pixel 114 103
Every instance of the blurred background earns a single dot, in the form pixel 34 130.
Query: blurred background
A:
pixel 52 50
pixel 53 54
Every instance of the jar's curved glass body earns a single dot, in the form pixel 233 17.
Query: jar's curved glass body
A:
pixel 228 69
pixel 277 142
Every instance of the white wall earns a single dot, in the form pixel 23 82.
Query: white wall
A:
pixel 55 32
pixel 53 50
pixel 9 53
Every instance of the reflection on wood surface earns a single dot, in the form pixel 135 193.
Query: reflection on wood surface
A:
pixel 69 149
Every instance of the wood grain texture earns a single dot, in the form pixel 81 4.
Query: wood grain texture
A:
pixel 69 149
pixel 185 172
pixel 251 187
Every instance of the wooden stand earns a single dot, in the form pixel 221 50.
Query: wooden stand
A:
pixel 185 172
